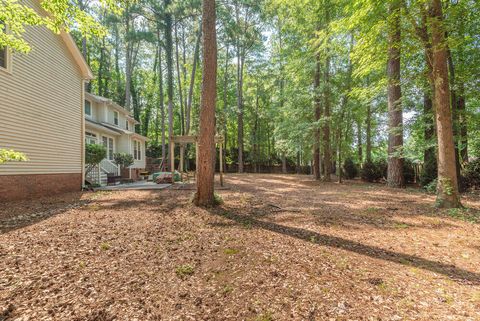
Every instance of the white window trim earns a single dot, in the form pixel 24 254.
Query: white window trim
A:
pixel 108 145
pixel 118 117
pixel 91 108
pixel 8 59
pixel 137 150
pixel 91 136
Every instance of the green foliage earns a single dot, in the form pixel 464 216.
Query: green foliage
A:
pixel 94 153
pixel 374 171
pixel 429 173
pixel 123 160
pixel 465 214
pixel 62 15
pixel 431 187
pixel 11 156
pixel 350 169
pixel 408 171
pixel 184 271
pixel 471 174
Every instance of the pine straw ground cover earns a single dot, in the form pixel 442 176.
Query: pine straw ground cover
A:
pixel 279 248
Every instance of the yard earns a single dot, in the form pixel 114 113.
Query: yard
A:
pixel 278 248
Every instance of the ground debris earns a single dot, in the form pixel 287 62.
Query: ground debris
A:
pixel 280 247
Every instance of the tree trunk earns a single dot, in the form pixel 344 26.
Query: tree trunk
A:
pixel 240 63
pixel 225 106
pixel 117 65
pixel 368 151
pixel 161 99
pixel 299 169
pixel 318 116
pixel 359 142
pixel 447 188
pixel 128 61
pixel 206 142
pixel 463 124
pixel 429 171
pixel 455 114
pixel 395 120
pixel 327 152
pixel 284 163
pixel 179 83
pixel 169 58
pixel 192 82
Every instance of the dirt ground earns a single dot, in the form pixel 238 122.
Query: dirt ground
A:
pixel 278 248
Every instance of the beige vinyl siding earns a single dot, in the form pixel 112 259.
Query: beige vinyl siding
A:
pixel 41 107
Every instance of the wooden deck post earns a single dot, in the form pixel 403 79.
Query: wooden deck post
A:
pixel 182 155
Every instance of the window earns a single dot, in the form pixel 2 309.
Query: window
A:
pixel 107 142
pixel 115 117
pixel 90 138
pixel 4 63
pixel 88 108
pixel 126 125
pixel 137 150
pixel 110 148
pixel 3 58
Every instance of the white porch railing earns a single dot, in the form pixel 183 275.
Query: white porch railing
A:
pixel 109 167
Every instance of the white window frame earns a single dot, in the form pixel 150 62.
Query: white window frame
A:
pixel 91 138
pixel 109 147
pixel 84 106
pixel 116 117
pixel 127 125
pixel 137 150
pixel 8 59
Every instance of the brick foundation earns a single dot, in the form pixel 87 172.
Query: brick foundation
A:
pixel 16 187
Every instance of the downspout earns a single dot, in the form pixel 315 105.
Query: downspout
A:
pixel 82 134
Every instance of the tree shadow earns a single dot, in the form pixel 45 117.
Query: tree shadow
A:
pixel 19 214
pixel 451 271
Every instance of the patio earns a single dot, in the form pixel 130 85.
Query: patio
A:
pixel 139 185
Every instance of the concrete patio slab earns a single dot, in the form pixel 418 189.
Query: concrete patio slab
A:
pixel 133 186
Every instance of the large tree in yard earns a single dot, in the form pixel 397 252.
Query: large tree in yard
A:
pixel 206 141
pixel 447 187
pixel 395 122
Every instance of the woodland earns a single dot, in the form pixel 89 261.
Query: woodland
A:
pixel 377 101
pixel 384 89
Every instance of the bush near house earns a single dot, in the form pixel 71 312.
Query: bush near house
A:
pixel 123 160
pixel 94 154
pixel 11 156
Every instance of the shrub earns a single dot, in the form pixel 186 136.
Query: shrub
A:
pixel 471 174
pixel 94 154
pixel 374 171
pixel 408 171
pixel 350 169
pixel 431 187
pixel 11 156
pixel 123 160
pixel 429 172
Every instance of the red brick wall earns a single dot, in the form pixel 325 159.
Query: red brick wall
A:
pixel 15 187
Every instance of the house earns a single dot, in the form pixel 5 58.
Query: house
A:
pixel 112 126
pixel 41 105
